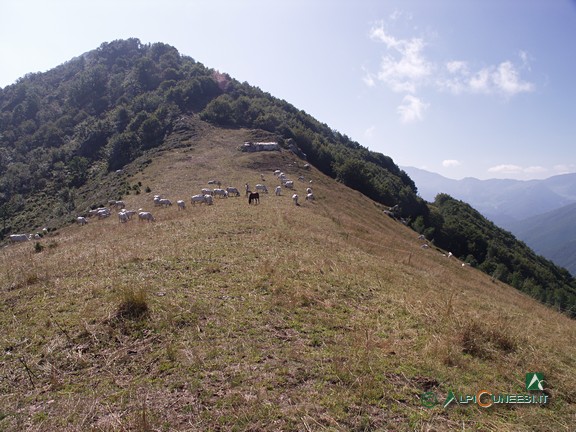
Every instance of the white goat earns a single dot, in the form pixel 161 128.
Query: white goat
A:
pixel 278 190
pixel 261 187
pixel 103 213
pixel 181 205
pixel 233 190
pixel 147 216
pixel 198 198
pixel 15 238
pixel 220 192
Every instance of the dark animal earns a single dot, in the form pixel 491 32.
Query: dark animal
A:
pixel 254 197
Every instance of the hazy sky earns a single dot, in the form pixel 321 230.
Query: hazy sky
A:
pixel 480 88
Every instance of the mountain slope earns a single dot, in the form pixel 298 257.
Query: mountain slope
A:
pixel 552 234
pixel 534 211
pixel 68 136
pixel 502 201
pixel 324 316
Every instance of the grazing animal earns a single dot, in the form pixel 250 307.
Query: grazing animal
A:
pixel 165 202
pixel 123 217
pixel 277 172
pixel 289 184
pixel 181 205
pixel 253 196
pixel 261 187
pixel 278 190
pixel 129 213
pixel 295 199
pixel 81 220
pixel 116 204
pixel 308 190
pixel 103 213
pixel 310 197
pixel 220 192
pixel 206 191
pixel 247 188
pixel 100 212
pixel 208 200
pixel 15 238
pixel 147 216
pixel 233 190
pixel 199 198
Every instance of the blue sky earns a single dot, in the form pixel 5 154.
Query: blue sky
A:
pixel 464 88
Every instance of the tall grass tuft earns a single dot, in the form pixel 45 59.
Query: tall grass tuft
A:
pixel 133 305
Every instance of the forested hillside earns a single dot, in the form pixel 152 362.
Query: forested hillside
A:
pixel 68 135
pixel 467 234
pixel 66 128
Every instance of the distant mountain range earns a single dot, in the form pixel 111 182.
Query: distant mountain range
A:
pixel 542 213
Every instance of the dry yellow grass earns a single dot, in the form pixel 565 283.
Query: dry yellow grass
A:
pixel 326 316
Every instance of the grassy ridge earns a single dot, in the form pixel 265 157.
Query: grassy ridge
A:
pixel 326 316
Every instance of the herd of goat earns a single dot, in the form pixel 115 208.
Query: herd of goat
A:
pixel 206 196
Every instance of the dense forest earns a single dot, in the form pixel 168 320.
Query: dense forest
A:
pixel 67 131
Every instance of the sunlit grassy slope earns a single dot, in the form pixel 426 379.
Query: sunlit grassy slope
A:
pixel 324 316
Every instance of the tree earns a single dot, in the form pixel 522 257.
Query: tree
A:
pixel 78 168
pixel 123 148
pixel 151 132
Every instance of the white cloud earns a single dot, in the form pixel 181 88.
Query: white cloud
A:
pixel 507 80
pixel 457 66
pixel 404 67
pixel 535 170
pixel 450 163
pixel 369 133
pixel 503 79
pixel 564 168
pixel 412 109
pixel 517 169
pixel 506 169
pixel 368 79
